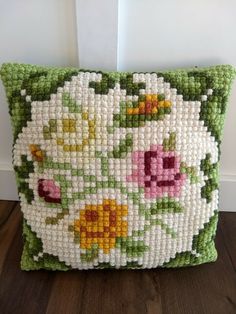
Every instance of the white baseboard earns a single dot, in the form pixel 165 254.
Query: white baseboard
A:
pixel 8 190
pixel 227 193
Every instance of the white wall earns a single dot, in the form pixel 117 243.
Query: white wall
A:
pixel 38 32
pixel 97 34
pixel 169 34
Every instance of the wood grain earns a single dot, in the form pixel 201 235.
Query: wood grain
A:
pixel 9 223
pixel 228 228
pixel 209 288
pixel 6 208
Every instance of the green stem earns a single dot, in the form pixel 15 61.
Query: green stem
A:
pixel 54 220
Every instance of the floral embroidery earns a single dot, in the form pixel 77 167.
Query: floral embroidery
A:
pixel 101 225
pixel 149 104
pixel 67 132
pixel 75 135
pixel 49 191
pixel 36 152
pixel 158 171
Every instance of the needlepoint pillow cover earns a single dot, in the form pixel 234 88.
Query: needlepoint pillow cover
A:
pixel 117 170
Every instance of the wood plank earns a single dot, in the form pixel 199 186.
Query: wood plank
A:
pixel 208 288
pixel 67 293
pixel 22 292
pixel 228 227
pixel 124 291
pixel 105 291
pixel 10 224
pixel 6 208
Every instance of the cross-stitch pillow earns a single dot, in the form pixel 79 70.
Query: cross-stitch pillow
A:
pixel 117 170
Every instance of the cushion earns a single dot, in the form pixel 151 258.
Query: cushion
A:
pixel 117 170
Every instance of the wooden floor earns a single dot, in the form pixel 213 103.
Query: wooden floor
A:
pixel 203 289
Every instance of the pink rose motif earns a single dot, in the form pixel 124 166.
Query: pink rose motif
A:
pixel 49 191
pixel 158 171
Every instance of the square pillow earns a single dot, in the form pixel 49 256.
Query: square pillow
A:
pixel 117 170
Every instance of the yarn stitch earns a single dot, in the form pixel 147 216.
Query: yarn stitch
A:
pixel 117 170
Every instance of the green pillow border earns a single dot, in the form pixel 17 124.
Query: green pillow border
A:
pixel 191 83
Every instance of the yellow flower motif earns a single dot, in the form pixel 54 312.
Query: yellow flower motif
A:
pixel 149 104
pixel 36 152
pixel 101 225
pixel 69 126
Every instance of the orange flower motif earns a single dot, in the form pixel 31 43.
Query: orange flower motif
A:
pixel 36 152
pixel 149 104
pixel 101 225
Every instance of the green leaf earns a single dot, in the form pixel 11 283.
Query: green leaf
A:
pixel 38 82
pixel 169 144
pixel 133 248
pixel 164 227
pixel 42 84
pixel 208 168
pixel 104 266
pixel 22 173
pixel 90 254
pixel 32 247
pixel 195 83
pixel 211 183
pixel 23 187
pixel 123 148
pixel 55 219
pixel 206 191
pixel 107 82
pixel 190 171
pixel 73 107
pixel 203 246
pixel 166 205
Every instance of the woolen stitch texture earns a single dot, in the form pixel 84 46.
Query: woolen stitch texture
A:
pixel 117 170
